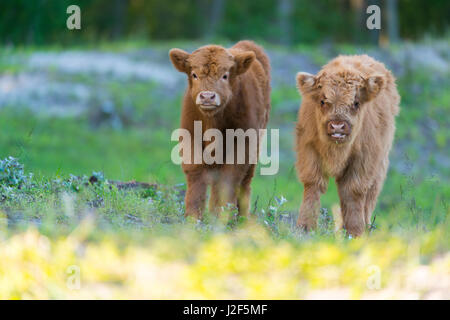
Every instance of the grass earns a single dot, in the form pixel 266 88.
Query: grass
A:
pixel 56 222
pixel 96 241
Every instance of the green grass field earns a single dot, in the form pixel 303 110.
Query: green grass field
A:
pixel 121 240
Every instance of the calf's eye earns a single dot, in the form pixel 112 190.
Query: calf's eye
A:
pixel 225 77
pixel 322 103
pixel 194 76
pixel 356 105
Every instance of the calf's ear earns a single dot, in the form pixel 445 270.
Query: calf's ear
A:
pixel 305 82
pixel 372 86
pixel 243 61
pixel 179 59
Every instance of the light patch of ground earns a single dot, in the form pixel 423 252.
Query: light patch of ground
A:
pixel 104 64
pixel 43 95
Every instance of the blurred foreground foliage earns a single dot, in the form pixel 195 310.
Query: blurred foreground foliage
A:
pixel 246 263
pixel 86 237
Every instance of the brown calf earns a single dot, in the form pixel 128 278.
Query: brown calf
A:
pixel 345 129
pixel 227 89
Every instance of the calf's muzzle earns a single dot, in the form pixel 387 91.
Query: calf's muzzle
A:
pixel 208 99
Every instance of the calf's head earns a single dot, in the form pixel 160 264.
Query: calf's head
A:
pixel 339 100
pixel 211 71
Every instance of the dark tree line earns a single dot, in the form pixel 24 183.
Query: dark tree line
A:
pixel 279 21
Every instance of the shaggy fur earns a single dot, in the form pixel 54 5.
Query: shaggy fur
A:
pixel 345 129
pixel 244 103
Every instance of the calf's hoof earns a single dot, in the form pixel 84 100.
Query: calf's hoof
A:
pixel 305 226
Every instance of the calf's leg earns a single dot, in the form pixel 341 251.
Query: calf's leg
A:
pixel 195 195
pixel 245 192
pixel 217 197
pixel 310 208
pixel 374 191
pixel 371 201
pixel 352 207
pixel 230 181
pixel 314 184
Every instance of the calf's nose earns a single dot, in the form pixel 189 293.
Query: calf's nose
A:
pixel 207 96
pixel 336 125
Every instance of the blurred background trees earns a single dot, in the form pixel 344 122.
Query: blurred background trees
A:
pixel 287 22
